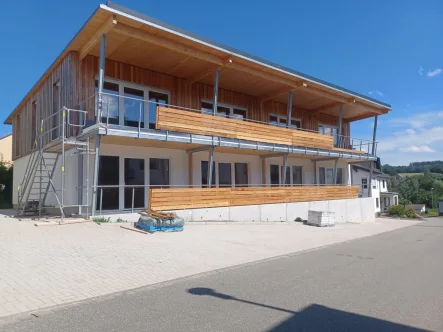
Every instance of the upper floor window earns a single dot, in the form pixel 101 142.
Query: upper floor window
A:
pixel 281 121
pixel 225 110
pixel 329 130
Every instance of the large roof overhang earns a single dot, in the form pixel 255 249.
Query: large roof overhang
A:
pixel 136 39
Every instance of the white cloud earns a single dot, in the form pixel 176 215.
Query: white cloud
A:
pixel 415 148
pixel 434 72
pixel 410 131
pixel 418 120
pixel 376 92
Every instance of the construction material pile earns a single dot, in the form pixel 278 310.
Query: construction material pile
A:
pixel 156 221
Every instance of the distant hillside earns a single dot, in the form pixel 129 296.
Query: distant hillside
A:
pixel 417 167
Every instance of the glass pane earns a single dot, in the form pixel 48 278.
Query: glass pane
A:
pixel 275 175
pixel 204 170
pixel 296 175
pixel 206 107
pixel 241 174
pixel 238 114
pixel 223 110
pixel 295 123
pixel 110 102
pixel 273 120
pixel 288 175
pixel 339 176
pixel 329 176
pixel 108 176
pixel 134 175
pixel 224 174
pixel 155 99
pixel 159 172
pixel 321 175
pixel 134 107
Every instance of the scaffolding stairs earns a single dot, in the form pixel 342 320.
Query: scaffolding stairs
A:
pixel 44 164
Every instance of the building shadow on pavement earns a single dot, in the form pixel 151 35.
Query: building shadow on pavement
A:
pixel 317 317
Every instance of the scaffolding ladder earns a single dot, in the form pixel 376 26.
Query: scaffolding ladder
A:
pixel 43 163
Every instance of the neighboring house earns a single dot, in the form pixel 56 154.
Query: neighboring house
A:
pixel 379 187
pixel 6 148
pixel 418 208
pixel 169 114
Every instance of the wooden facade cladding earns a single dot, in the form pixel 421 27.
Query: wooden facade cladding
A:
pixel 204 124
pixel 188 95
pixel 43 103
pixel 77 84
pixel 193 198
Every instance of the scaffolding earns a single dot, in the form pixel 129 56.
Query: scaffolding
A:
pixel 58 133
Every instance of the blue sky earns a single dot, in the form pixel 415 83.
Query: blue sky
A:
pixel 390 50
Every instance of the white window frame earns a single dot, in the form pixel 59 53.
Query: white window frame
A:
pixel 229 106
pixel 326 175
pixel 122 84
pixel 331 127
pixel 280 117
pixel 280 174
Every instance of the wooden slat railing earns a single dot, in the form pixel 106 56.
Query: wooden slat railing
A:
pixel 194 198
pixel 204 124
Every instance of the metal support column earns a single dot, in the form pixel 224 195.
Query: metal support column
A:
pixel 374 135
pixel 340 124
pixel 289 111
pixel 210 166
pixel 350 179
pixel 335 171
pixel 101 76
pixel 285 165
pixel 215 100
pixel 370 179
pixel 315 172
pixel 62 198
pixel 96 172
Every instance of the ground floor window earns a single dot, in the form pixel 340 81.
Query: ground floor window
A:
pixel 108 196
pixel 222 174
pixel 326 175
pixel 204 173
pixel 377 203
pixel 134 176
pixel 159 172
pixel 241 174
pixel 293 175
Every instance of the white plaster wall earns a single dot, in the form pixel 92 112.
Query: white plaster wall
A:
pixel 18 174
pixel 377 182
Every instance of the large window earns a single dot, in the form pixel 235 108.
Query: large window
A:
pixel 241 174
pixel 275 174
pixel 282 121
pixel 224 174
pixel 111 108
pixel 204 173
pixel 159 172
pixel 134 107
pixel 329 130
pixel 155 99
pixel 297 175
pixel 288 175
pixel 135 176
pixel 138 103
pixel 108 176
pixel 326 175
pixel 225 110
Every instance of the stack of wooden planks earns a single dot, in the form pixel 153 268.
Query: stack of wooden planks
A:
pixel 193 198
pixel 158 215
pixel 204 124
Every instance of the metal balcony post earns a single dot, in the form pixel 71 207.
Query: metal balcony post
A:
pixel 210 166
pixel 96 172
pixel 285 164
pixel 215 101
pixel 335 171
pixel 101 76
pixel 340 121
pixel 289 111
pixel 374 135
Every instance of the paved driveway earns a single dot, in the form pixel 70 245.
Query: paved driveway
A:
pixel 46 266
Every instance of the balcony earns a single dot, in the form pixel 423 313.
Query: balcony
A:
pixel 161 121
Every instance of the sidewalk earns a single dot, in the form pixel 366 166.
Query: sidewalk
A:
pixel 46 266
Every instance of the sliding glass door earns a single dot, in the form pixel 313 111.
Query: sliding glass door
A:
pixel 134 176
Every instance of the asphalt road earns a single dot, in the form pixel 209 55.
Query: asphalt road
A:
pixel 388 282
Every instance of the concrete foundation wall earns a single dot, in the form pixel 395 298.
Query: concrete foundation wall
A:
pixel 354 210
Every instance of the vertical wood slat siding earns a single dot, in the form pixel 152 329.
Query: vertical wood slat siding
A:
pixel 66 74
pixel 77 83
pixel 190 96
